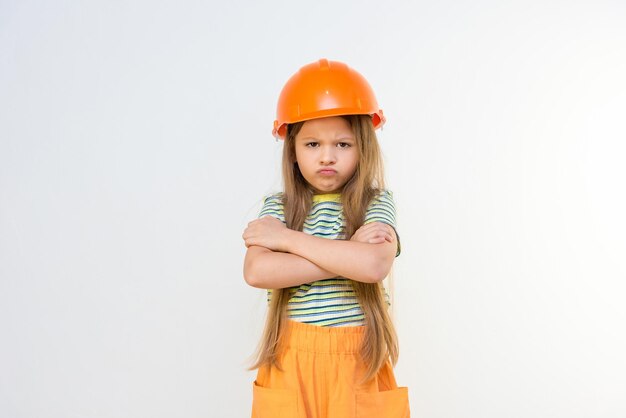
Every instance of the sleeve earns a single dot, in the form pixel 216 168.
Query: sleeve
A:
pixel 273 206
pixel 383 209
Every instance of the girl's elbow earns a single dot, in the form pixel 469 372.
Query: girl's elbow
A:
pixel 253 267
pixel 250 275
pixel 373 274
pixel 254 281
pixel 380 270
pixel 250 279
pixel 378 275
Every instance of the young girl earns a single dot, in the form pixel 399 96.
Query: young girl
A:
pixel 321 248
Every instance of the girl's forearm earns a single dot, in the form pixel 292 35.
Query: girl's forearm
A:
pixel 267 269
pixel 360 261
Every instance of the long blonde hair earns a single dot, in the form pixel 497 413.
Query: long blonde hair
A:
pixel 380 342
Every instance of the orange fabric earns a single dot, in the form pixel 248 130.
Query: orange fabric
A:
pixel 321 370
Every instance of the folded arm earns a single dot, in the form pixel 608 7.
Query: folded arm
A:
pixel 278 257
pixel 360 261
pixel 267 269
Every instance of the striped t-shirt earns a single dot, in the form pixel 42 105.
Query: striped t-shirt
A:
pixel 329 302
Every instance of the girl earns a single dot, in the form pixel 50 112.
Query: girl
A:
pixel 321 248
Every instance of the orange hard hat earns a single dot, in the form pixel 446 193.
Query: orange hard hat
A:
pixel 325 88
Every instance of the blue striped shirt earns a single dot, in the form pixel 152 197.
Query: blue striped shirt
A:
pixel 329 302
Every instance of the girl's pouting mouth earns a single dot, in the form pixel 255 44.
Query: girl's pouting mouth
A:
pixel 327 172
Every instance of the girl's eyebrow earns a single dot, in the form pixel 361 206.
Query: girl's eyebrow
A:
pixel 341 138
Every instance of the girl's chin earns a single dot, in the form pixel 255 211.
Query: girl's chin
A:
pixel 327 190
pixel 326 187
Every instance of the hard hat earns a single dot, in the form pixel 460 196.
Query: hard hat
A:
pixel 325 88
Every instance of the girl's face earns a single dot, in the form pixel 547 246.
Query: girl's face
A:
pixel 326 153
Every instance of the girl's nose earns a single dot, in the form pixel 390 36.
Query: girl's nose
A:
pixel 328 155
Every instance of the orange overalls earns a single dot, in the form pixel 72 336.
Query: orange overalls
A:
pixel 320 379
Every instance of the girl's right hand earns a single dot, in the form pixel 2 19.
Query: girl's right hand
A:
pixel 374 233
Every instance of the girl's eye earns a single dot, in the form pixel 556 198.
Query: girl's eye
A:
pixel 311 144
pixel 343 145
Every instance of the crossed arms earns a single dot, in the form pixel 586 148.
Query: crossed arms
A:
pixel 278 257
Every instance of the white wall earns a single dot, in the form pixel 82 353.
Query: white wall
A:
pixel 135 146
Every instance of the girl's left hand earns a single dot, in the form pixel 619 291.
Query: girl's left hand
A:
pixel 374 233
pixel 266 232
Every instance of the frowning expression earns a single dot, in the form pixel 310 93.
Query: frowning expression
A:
pixel 326 153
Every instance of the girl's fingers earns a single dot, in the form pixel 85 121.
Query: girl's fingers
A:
pixel 381 232
pixel 374 233
pixel 374 237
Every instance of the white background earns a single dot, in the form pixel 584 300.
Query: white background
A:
pixel 135 146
